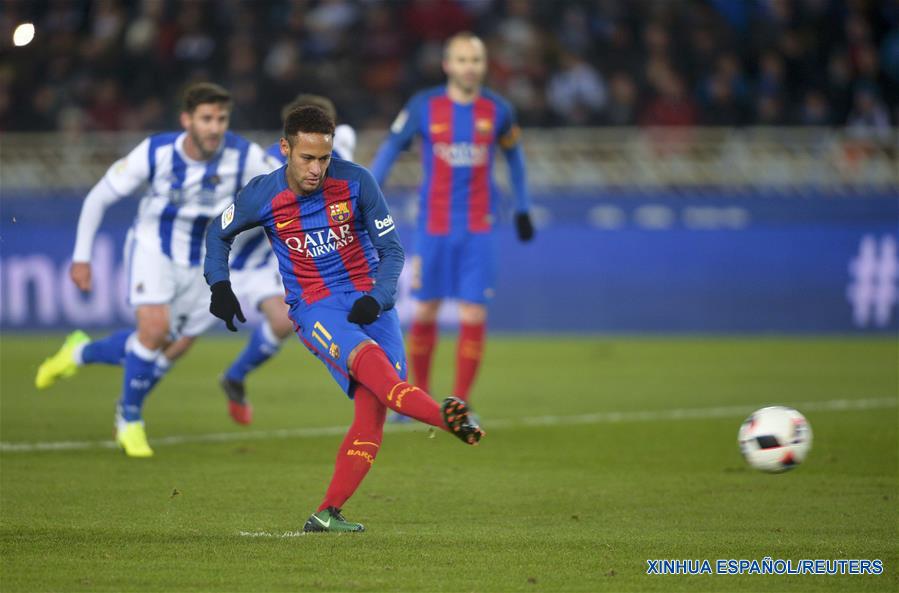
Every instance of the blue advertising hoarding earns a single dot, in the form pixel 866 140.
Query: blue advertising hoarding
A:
pixel 622 261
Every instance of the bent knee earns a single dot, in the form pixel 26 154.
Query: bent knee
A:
pixel 351 359
pixel 277 314
pixel 153 326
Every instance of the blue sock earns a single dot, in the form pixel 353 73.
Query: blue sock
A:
pixel 109 350
pixel 140 377
pixel 263 345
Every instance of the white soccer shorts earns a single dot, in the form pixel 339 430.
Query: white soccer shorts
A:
pixel 154 279
pixel 254 286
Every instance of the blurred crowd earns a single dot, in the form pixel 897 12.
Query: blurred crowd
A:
pixel 118 64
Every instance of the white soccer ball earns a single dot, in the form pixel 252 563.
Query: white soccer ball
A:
pixel 775 439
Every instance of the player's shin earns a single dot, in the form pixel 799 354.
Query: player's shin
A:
pixel 358 450
pixel 109 350
pixel 468 357
pixel 140 377
pixel 372 369
pixel 263 345
pixel 422 339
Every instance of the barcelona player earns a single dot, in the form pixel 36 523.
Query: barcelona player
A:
pixel 257 282
pixel 461 125
pixel 339 258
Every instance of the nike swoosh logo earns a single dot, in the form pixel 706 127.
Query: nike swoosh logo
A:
pixel 322 523
pixel 437 128
pixel 281 225
pixel 357 443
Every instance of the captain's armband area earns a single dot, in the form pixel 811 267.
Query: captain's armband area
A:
pixel 511 138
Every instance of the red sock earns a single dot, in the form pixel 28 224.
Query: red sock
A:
pixel 358 450
pixel 422 338
pixel 468 357
pixel 372 369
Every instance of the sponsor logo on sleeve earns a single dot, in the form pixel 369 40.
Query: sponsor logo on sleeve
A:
pixel 228 216
pixel 510 138
pixel 397 126
pixel 120 166
pixel 384 225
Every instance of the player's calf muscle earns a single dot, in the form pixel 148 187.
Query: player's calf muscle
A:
pixel 177 349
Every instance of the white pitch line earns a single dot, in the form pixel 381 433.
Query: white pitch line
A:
pixel 283 535
pixel 736 411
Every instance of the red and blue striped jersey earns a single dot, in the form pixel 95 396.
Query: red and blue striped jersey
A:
pixel 340 238
pixel 459 144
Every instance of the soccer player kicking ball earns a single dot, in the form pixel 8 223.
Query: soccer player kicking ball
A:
pixel 257 282
pixel 461 126
pixel 339 257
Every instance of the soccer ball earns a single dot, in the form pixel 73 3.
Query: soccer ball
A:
pixel 775 439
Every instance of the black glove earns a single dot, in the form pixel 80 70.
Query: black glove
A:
pixel 524 226
pixel 225 305
pixel 365 310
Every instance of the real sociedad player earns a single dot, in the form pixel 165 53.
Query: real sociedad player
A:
pixel 461 125
pixel 257 283
pixel 340 257
pixel 190 177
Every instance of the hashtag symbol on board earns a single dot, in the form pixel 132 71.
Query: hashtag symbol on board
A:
pixel 874 272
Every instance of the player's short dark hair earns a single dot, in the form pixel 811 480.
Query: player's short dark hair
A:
pixel 201 93
pixel 309 99
pixel 307 119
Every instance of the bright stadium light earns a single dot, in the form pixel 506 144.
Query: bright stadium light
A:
pixel 23 35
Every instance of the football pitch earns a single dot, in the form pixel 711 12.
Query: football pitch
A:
pixel 600 454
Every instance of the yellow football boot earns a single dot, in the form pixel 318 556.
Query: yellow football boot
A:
pixel 132 437
pixel 62 364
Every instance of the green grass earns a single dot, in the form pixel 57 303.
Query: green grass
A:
pixel 577 507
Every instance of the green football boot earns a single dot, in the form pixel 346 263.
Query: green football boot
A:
pixel 330 520
pixel 62 364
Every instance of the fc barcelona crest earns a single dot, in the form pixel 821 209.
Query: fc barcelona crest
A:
pixel 339 212
pixel 483 125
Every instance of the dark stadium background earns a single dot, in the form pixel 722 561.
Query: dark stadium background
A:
pixel 697 166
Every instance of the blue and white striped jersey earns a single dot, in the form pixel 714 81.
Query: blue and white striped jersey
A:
pixel 181 194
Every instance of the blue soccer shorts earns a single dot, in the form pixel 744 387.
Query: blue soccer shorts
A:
pixel 325 331
pixel 459 266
